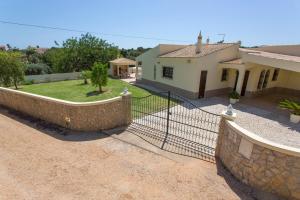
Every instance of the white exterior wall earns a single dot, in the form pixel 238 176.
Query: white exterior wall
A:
pixel 187 75
pixel 210 63
pixel 149 58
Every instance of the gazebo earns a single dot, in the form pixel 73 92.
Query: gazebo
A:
pixel 120 67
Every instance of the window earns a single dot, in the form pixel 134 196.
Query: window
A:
pixel 140 63
pixel 275 75
pixel 154 72
pixel 266 79
pixel 224 75
pixel 168 72
pixel 261 79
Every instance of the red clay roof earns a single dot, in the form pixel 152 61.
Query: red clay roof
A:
pixel 271 55
pixel 190 51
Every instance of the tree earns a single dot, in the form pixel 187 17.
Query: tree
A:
pixel 133 53
pixel 31 55
pixel 99 75
pixel 8 46
pixel 56 59
pixel 85 75
pixel 82 53
pixel 11 69
pixel 37 69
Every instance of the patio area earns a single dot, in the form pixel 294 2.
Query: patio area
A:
pixel 261 116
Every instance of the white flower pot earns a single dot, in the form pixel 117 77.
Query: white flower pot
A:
pixel 233 101
pixel 294 118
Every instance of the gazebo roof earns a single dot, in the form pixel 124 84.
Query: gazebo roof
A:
pixel 123 61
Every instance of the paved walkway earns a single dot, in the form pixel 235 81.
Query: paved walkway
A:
pixel 131 79
pixel 261 117
pixel 40 164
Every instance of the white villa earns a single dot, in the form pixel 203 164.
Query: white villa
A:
pixel 204 69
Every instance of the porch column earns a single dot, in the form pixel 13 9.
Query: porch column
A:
pixel 118 70
pixel 239 84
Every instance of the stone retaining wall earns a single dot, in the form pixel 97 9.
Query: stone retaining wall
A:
pixel 258 162
pixel 90 116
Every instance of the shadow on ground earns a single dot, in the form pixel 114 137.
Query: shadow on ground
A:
pixel 50 129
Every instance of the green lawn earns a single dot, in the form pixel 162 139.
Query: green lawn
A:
pixel 76 91
pixel 143 103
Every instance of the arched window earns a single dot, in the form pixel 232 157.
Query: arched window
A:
pixel 266 79
pixel 261 79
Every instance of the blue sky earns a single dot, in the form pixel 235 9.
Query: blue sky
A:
pixel 254 22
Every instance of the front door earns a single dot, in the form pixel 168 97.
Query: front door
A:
pixel 236 79
pixel 246 77
pixel 202 85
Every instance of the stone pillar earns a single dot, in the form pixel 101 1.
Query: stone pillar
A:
pixel 225 115
pixel 239 84
pixel 126 101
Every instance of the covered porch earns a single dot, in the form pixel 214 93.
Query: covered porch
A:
pixel 121 67
pixel 257 73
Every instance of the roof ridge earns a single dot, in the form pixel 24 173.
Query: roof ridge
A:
pixel 205 50
pixel 255 51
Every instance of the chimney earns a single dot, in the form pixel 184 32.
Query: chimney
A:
pixel 199 43
pixel 207 41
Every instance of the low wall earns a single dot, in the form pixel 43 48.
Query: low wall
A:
pixel 53 77
pixel 258 162
pixel 90 116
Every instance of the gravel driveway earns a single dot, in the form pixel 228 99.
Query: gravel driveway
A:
pixel 40 164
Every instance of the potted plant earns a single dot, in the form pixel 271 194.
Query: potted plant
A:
pixel 293 107
pixel 234 97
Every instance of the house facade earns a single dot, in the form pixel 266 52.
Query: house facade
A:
pixel 204 69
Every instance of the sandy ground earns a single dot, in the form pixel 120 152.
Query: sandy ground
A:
pixel 38 164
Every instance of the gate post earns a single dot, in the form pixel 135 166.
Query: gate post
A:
pixel 168 120
pixel 126 101
pixel 226 115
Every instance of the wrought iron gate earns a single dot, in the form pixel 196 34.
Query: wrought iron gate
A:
pixel 175 124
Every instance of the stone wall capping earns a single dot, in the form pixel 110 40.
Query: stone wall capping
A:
pixel 228 117
pixel 78 116
pixel 62 101
pixel 252 137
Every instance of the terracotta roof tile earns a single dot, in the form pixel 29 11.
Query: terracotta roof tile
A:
pixel 123 61
pixel 190 51
pixel 272 55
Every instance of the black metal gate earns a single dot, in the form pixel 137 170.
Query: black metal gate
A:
pixel 175 124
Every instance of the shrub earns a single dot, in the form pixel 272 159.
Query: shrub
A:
pixel 234 95
pixel 28 82
pixel 37 69
pixel 85 75
pixel 292 106
pixel 11 69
